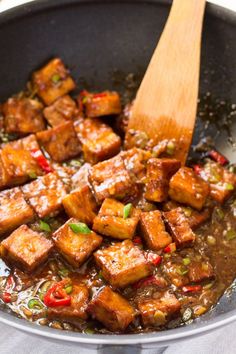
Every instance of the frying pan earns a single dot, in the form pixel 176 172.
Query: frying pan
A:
pixel 102 42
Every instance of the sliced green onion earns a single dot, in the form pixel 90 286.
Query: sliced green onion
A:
pixel 89 331
pixel 80 228
pixel 63 272
pixel 75 163
pixel 56 78
pixel 187 315
pixel 170 148
pixel 182 271
pixel 208 286
pixel 186 261
pixel 228 186
pixel 127 210
pixel 68 289
pixel 220 213
pixel 211 240
pixel 35 304
pixel 230 234
pixel 44 226
pixel 32 175
pixel 187 211
pixel 100 276
pixel 85 99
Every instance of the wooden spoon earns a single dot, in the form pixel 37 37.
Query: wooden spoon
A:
pixel 166 102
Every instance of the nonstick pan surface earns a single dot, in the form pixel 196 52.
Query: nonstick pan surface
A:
pixel 103 42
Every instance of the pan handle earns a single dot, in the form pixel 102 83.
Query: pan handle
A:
pixel 130 349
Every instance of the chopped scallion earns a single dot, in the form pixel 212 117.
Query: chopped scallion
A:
pixel 182 271
pixel 56 78
pixel 80 228
pixel 170 148
pixel 35 304
pixel 68 289
pixel 32 175
pixel 127 210
pixel 186 261
pixel 228 186
pixel 44 226
pixel 63 272
pixel 230 234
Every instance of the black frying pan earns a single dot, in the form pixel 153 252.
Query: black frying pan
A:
pixel 102 42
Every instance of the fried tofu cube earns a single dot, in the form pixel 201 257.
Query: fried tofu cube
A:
pixel 135 161
pixel 176 272
pixel 18 164
pixel 77 309
pixel 80 178
pixel 60 142
pixel 110 179
pixel 45 195
pixel 159 173
pixel 112 309
pixel 156 312
pixel 52 81
pixel 153 229
pixel 62 110
pixel 99 142
pixel 81 204
pixel 188 188
pixel 199 271
pixel 26 248
pixel 122 264
pixel 110 220
pixel 179 227
pixel 222 182
pixel 75 247
pixel 13 210
pixel 195 218
pixel 23 116
pixel 102 104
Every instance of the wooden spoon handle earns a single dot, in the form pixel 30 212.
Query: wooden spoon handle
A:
pixel 166 103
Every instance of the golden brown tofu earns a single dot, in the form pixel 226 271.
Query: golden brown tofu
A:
pixel 188 188
pixel 222 182
pixel 112 309
pixel 45 195
pixel 199 271
pixel 156 312
pixel 81 204
pixel 135 161
pixel 179 227
pixel 18 164
pixel 77 309
pixel 52 81
pixel 110 220
pixel 177 273
pixel 80 178
pixel 75 247
pixel 110 179
pixel 122 264
pixel 195 218
pixel 62 110
pixel 23 116
pixel 60 142
pixel 159 173
pixel 13 210
pixel 26 248
pixel 102 104
pixel 99 142
pixel 153 229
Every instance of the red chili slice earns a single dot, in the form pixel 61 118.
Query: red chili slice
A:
pixel 137 240
pixel 154 258
pixel 57 296
pixel 170 248
pixel 41 160
pixel 6 296
pixel 191 288
pixel 99 95
pixel 197 169
pixel 216 156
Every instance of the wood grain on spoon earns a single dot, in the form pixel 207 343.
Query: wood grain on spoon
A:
pixel 166 102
